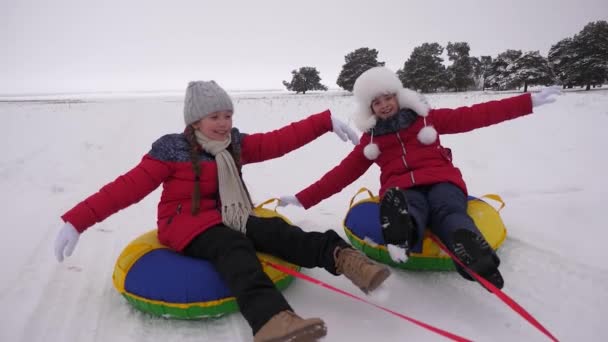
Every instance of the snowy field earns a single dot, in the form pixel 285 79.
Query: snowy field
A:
pixel 550 168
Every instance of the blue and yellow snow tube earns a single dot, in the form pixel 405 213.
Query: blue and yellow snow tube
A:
pixel 362 227
pixel 159 281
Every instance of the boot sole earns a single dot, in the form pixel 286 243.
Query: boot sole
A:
pixel 395 216
pixel 306 334
pixel 486 264
pixel 377 280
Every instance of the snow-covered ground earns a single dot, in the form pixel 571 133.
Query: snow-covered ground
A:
pixel 550 168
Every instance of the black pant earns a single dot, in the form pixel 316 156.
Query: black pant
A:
pixel 234 256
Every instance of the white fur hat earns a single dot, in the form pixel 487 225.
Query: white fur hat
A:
pixel 379 81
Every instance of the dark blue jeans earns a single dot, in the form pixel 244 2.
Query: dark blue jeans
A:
pixel 441 207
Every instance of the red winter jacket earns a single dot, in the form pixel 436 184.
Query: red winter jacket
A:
pixel 406 162
pixel 168 163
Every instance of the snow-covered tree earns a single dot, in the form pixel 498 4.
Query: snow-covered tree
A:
pixel 590 67
pixel 499 75
pixel 486 66
pixel 583 59
pixel 561 56
pixel 304 79
pixel 357 62
pixel 531 69
pixel 477 72
pixel 424 69
pixel 460 73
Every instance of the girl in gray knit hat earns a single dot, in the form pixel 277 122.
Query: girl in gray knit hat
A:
pixel 205 210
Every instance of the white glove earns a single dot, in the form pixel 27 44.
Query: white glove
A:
pixel 397 254
pixel 66 241
pixel 546 95
pixel 287 200
pixel 344 131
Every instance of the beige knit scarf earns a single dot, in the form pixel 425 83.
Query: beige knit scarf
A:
pixel 235 204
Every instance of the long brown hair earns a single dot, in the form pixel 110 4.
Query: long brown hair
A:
pixel 195 150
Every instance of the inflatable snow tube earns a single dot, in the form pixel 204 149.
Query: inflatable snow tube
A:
pixel 159 281
pixel 362 227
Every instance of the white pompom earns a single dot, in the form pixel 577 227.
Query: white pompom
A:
pixel 427 135
pixel 371 151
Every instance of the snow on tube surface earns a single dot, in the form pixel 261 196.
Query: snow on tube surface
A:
pixel 159 281
pixel 362 227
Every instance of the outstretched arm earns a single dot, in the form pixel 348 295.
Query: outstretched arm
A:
pixel 119 194
pixel 127 189
pixel 263 146
pixel 464 119
pixel 349 170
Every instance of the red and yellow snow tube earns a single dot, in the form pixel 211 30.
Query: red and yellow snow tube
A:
pixel 159 281
pixel 362 227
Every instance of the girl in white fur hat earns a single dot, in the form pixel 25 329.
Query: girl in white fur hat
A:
pixel 419 185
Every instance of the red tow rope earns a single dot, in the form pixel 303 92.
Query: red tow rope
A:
pixel 501 295
pixel 297 274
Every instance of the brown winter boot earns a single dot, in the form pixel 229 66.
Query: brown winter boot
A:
pixel 287 326
pixel 363 272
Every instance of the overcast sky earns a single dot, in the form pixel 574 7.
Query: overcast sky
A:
pixel 125 45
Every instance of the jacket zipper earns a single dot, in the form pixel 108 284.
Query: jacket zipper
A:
pixel 403 159
pixel 177 212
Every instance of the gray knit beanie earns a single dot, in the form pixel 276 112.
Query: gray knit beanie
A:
pixel 204 98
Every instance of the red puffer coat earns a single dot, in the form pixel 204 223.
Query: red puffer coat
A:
pixel 406 162
pixel 168 163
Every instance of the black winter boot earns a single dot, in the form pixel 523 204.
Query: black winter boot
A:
pixel 473 250
pixel 397 226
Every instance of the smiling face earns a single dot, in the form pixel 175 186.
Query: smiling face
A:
pixel 385 106
pixel 215 126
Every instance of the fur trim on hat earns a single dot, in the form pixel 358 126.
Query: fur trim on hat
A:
pixel 381 81
pixel 375 82
pixel 413 100
pixel 364 119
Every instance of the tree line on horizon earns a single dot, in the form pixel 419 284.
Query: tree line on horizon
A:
pixel 578 61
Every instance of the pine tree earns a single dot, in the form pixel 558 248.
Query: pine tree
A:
pixel 424 70
pixel 582 60
pixel 304 79
pixel 357 62
pixel 486 66
pixel 561 57
pixel 460 73
pixel 531 69
pixel 500 73
pixel 591 45
pixel 477 72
